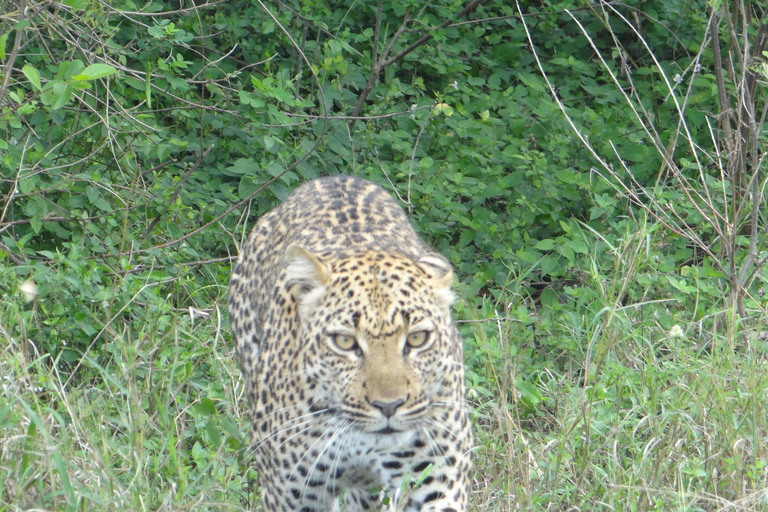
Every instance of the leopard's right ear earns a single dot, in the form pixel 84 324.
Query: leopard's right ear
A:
pixel 307 276
pixel 440 275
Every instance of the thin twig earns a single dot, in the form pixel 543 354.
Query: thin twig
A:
pixel 630 193
pixel 14 53
pixel 376 68
pixel 413 158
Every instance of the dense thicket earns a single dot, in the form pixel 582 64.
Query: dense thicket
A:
pixel 138 139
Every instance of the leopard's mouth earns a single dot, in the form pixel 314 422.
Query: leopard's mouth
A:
pixel 387 430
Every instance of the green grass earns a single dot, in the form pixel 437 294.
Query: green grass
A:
pixel 664 425
pixel 658 413
pixel 594 402
pixel 157 426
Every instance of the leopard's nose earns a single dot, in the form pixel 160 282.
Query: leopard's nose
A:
pixel 388 408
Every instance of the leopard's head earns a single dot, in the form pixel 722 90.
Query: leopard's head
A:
pixel 377 345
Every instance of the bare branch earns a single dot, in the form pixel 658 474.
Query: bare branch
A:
pixel 14 53
pixel 375 62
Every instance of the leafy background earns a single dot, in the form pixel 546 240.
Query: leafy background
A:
pixel 594 171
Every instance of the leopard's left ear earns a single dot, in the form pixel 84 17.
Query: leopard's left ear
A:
pixel 308 277
pixel 440 274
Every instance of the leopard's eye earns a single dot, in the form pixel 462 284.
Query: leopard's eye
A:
pixel 417 339
pixel 344 341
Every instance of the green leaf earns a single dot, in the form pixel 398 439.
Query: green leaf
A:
pixel 148 86
pixel 3 39
pixel 549 298
pixel 94 196
pixel 33 76
pixel 68 69
pixel 206 407
pixel 63 475
pixel 247 186
pixel 36 223
pixel 578 247
pixel 31 431
pixel 545 245
pixel 212 431
pixel 77 5
pixel 230 427
pixel 35 207
pixel 94 72
pixel 548 264
pixel 566 251
pixel 70 356
pixel 269 142
pixel 529 394
pixel 423 476
pixel 62 97
pixel 275 169
pixel 241 167
pixel 528 256
pixel 531 81
pixel 399 8
pixel 28 185
pixel 634 152
pixel 466 237
pixel 56 94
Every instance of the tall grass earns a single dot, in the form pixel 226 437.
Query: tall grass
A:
pixel 155 426
pixel 649 418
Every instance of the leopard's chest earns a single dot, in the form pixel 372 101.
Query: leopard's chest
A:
pixel 354 459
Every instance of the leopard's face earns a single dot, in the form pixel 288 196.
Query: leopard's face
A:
pixel 379 352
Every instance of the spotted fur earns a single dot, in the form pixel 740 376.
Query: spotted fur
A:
pixel 352 361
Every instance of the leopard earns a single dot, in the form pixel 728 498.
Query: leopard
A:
pixel 351 360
